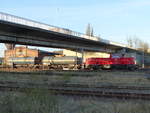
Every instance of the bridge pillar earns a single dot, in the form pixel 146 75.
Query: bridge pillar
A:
pixel 143 63
pixel 82 54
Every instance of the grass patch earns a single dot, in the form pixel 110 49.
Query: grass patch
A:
pixel 41 101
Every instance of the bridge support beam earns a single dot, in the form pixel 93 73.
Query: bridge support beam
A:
pixel 39 41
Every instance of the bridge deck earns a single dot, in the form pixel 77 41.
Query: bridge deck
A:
pixel 7 18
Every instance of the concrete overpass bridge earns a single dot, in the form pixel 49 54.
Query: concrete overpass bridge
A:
pixel 18 30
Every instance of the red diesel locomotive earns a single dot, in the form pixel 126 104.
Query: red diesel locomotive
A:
pixel 111 63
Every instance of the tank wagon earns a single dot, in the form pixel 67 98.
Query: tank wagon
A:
pixel 23 61
pixel 49 62
pixel 70 62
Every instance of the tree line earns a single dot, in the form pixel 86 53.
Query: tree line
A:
pixel 133 42
pixel 138 44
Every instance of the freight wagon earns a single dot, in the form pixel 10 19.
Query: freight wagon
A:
pixel 48 62
pixel 23 61
pixel 70 62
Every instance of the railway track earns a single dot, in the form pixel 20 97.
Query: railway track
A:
pixel 122 92
pixel 23 69
pixel 40 69
pixel 61 72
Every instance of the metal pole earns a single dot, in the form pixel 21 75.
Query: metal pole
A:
pixel 143 65
pixel 76 58
pixel 82 52
pixel 76 54
pixel 26 50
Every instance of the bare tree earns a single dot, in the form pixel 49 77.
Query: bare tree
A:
pixel 130 42
pixel 146 47
pixel 137 43
pixel 89 30
pixel 92 32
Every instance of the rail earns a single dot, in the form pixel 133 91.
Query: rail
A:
pixel 77 90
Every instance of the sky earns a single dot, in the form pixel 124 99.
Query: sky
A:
pixel 113 20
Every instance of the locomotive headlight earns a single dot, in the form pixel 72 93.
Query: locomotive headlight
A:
pixel 135 62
